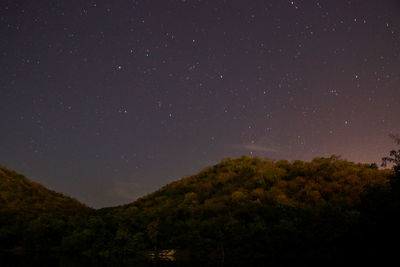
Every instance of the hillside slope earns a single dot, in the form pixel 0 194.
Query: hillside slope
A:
pixel 19 194
pixel 33 217
pixel 250 206
pixel 239 208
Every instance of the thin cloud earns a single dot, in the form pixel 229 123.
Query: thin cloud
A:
pixel 129 190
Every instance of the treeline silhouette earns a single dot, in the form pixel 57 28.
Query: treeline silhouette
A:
pixel 326 209
pixel 34 218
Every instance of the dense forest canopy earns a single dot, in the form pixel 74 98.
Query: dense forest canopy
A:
pixel 19 194
pixel 33 217
pixel 239 207
pixel 251 203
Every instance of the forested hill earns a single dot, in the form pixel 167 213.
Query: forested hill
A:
pixel 253 206
pixel 33 217
pixel 254 181
pixel 245 207
pixel 29 199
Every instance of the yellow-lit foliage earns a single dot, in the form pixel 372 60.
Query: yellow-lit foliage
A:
pixel 245 180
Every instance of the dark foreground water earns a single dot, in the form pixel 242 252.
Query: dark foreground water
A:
pixel 71 261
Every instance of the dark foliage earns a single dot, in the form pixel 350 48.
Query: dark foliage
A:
pixel 378 230
pixel 246 207
pixel 33 218
pixel 240 208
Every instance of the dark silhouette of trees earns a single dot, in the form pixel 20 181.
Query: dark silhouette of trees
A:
pixel 378 226
pixel 326 209
pixel 33 218
pixel 394 157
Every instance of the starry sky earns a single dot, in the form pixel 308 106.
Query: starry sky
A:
pixel 106 101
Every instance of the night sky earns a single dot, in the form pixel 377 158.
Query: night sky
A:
pixel 106 101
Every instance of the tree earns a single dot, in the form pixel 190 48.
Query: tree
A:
pixel 394 157
pixel 378 226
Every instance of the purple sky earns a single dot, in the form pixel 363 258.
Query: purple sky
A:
pixel 108 100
